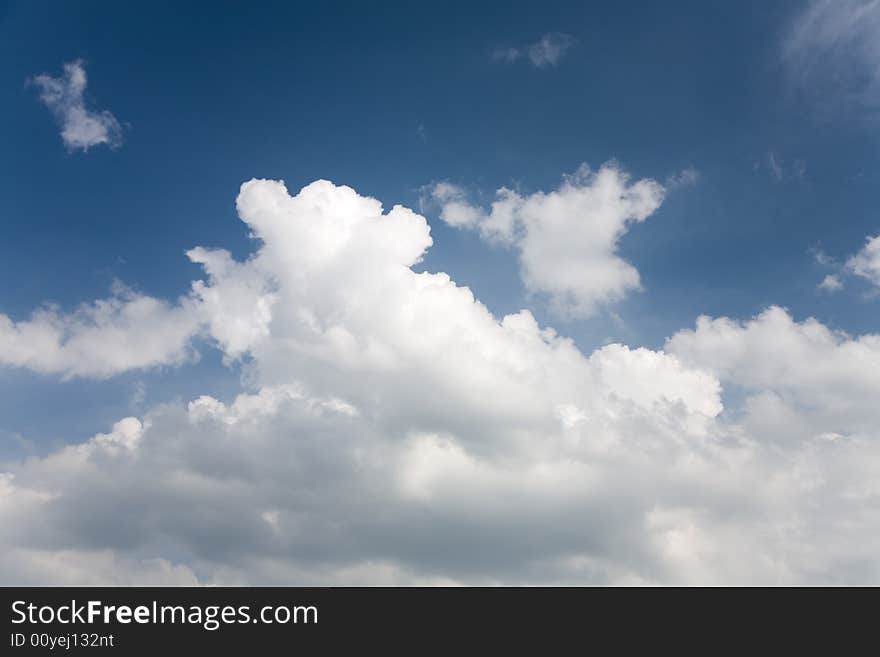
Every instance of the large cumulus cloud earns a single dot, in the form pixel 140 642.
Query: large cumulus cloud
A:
pixel 394 431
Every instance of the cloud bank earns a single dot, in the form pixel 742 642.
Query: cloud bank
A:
pixel 394 431
pixel 81 128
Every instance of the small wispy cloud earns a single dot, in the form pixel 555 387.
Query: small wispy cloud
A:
pixel 508 55
pixel 831 283
pixel 545 52
pixel 549 49
pixel 821 257
pixel 81 128
pixel 781 169
pixel 687 177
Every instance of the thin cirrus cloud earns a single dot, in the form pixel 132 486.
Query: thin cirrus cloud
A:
pixel 394 431
pixel 543 53
pixel 782 170
pixel 832 51
pixel 566 239
pixel 81 127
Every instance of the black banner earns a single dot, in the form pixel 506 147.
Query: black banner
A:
pixel 134 621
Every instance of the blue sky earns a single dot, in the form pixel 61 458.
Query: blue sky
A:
pixel 391 101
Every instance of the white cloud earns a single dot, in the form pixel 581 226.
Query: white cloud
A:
pixel 866 263
pixel 397 432
pixel 545 52
pixel 831 283
pixel 81 128
pixel 825 377
pixel 568 238
pixel 455 209
pixel 109 336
